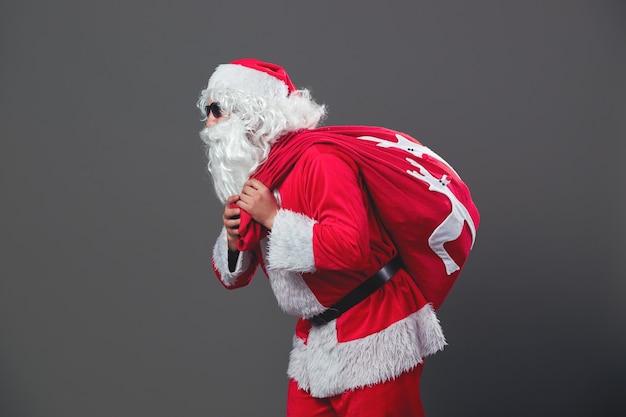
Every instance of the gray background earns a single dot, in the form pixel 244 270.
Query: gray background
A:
pixel 108 304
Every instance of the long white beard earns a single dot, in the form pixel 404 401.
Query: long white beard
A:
pixel 231 156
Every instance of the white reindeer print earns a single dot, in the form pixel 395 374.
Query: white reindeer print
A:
pixel 452 226
pixel 409 146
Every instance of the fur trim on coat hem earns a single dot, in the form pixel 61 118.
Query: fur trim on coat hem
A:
pixel 324 367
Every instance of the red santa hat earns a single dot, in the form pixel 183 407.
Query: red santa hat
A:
pixel 253 76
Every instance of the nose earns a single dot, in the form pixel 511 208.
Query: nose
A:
pixel 210 120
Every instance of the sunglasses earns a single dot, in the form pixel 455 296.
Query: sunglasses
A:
pixel 213 108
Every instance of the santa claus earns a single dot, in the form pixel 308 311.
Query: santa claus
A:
pixel 306 204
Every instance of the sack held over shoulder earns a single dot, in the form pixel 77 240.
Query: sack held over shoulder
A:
pixel 421 201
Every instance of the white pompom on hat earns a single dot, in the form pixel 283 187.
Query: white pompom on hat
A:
pixel 253 76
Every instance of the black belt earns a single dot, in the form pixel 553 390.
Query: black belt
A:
pixel 358 294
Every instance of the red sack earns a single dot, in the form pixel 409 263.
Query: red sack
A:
pixel 421 201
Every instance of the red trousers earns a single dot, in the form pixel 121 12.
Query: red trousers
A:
pixel 399 397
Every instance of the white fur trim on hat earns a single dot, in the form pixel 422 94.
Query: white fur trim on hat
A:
pixel 247 80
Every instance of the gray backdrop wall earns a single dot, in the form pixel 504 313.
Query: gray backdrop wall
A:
pixel 108 304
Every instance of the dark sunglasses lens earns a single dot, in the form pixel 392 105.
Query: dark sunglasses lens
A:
pixel 217 112
pixel 213 108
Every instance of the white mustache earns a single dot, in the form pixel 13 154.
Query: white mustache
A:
pixel 231 157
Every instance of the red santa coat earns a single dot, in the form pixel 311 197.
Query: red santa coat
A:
pixel 326 240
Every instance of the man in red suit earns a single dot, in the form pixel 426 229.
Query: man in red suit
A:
pixel 308 205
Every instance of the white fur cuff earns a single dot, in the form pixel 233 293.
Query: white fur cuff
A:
pixel 220 260
pixel 290 245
